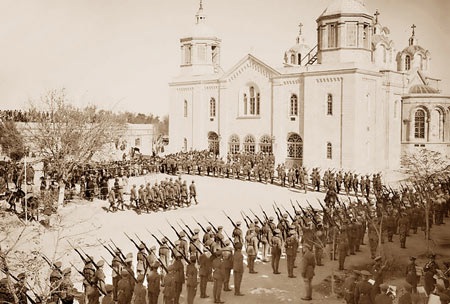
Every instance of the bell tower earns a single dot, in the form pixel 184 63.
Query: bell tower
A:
pixel 200 48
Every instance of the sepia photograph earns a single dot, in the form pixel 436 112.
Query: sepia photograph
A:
pixel 239 151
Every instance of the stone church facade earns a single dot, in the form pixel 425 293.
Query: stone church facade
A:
pixel 352 101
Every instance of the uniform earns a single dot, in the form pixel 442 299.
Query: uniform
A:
pixel 204 272
pixel 153 286
pixel 218 276
pixel 276 251
pixel 238 269
pixel 191 282
pixel 291 251
pixel 307 271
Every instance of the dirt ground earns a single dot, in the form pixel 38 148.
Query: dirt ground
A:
pixel 85 223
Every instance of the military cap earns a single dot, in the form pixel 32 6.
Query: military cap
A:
pixel 227 242
pixel 163 240
pixel 384 287
pixel 182 234
pixel 100 263
pixel 21 276
pixel 378 258
pixel 129 257
pixel 365 273
pixel 271 218
pixel 58 264
pixel 67 270
pixel 252 225
pixel 192 258
pixel 177 242
pixel 153 247
pixel 238 245
pixel 196 230
pixel 220 228
pixel 140 278
pixel 412 258
pixel 109 288
pixel 208 228
pixel 285 215
pixel 141 246
pixel 238 223
pixel 277 231
pixel 255 221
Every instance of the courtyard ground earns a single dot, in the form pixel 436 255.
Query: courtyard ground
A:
pixel 85 223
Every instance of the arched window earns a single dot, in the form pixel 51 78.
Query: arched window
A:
pixel 330 104
pixel 212 107
pixel 292 58
pixel 185 145
pixel 213 142
pixel 419 124
pixel 257 103
pixel 294 105
pixel 265 144
pixel 329 151
pixel 249 144
pixel 234 144
pixel 407 63
pixel 185 108
pixel 245 104
pixel 252 101
pixel 294 146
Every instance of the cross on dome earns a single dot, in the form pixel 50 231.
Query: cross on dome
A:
pixel 413 29
pixel 376 16
pixel 300 25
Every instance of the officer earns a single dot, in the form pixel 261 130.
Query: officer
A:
pixel 252 247
pixel 403 224
pixel 140 291
pixel 411 274
pixel 349 287
pixel 153 283
pixel 179 276
pixel 204 272
pixel 227 256
pixel 363 289
pixel 218 276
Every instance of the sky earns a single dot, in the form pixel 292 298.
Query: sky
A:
pixel 121 54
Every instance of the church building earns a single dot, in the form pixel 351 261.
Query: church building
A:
pixel 351 101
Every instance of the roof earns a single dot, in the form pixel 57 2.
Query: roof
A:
pixel 337 7
pixel 422 89
pixel 413 49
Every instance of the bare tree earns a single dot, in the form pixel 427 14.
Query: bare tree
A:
pixel 68 136
pixel 423 169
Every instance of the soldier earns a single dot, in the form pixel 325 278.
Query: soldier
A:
pixel 403 229
pixel 112 201
pixel 191 280
pixel 153 283
pixel 140 291
pixel 141 260
pixel 204 272
pixel 342 242
pixel 291 251
pixel 108 299
pixel 164 254
pixel 307 271
pixel 227 257
pixel 319 243
pixel 55 281
pixel 378 275
pixel 238 268
pixel 21 290
pixel 363 289
pixel 411 274
pixel 192 193
pixel 266 236
pixel 390 226
pixel 67 288
pixel 237 233
pixel 179 276
pixel 355 184
pixel 252 247
pixel 124 288
pixel 133 196
pixel 383 297
pixel 373 237
pixel 350 286
pixel 169 286
pixel 218 276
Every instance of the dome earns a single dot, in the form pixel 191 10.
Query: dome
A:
pixel 422 89
pixel 413 49
pixel 337 7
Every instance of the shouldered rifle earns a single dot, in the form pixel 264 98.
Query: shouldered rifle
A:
pixel 17 280
pixel 259 220
pixel 110 266
pixel 157 240
pixel 249 219
pixel 134 243
pixel 109 250
pixel 290 216
pixel 52 265
pixel 118 249
pixel 79 253
pixel 151 252
pixel 173 228
pixel 190 239
pixel 142 242
pixel 312 209
pixel 204 230
pixel 229 238
pixel 264 213
pixel 189 228
pixel 245 220
pixel 211 224
pixel 90 283
pixel 234 225
pixel 174 248
pixel 293 207
pixel 89 258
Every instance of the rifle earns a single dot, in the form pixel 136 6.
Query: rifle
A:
pixel 132 241
pixel 249 219
pixel 109 250
pixel 79 253
pixel 267 221
pixel 189 228
pixel 190 239
pixel 173 228
pixel 157 240
pixel 92 261
pixel 293 207
pixel 216 231
pixel 90 283
pixel 230 239
pixel 259 220
pixel 234 225
pixel 17 280
pixel 204 230
pixel 52 265
pixel 245 220
pixel 290 216
pixel 174 247
pixel 312 209
pixel 110 265
pixel 118 249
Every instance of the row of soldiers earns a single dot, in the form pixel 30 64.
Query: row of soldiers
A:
pixel 168 194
